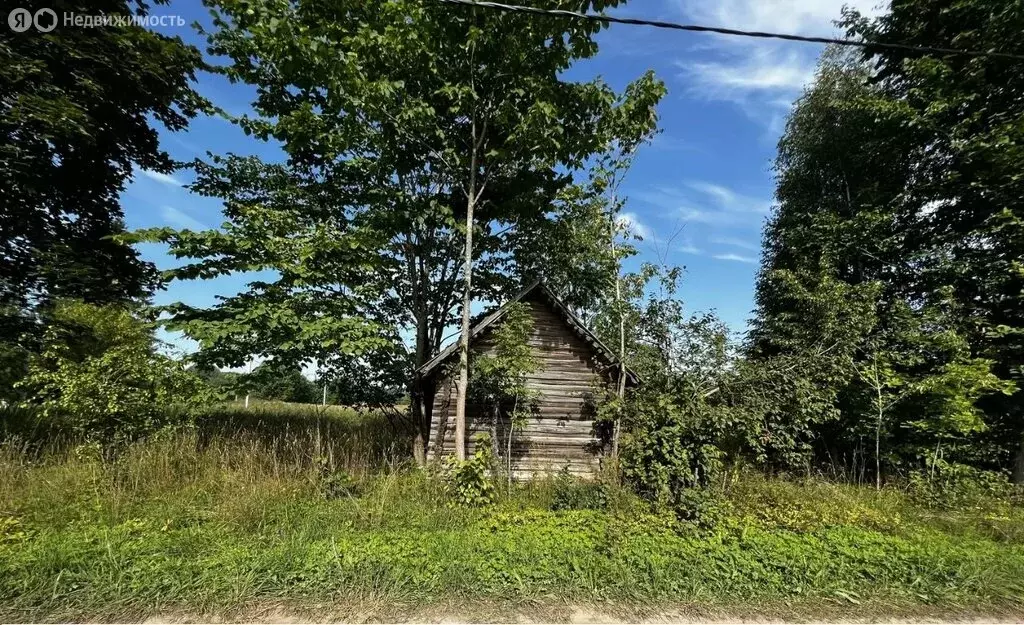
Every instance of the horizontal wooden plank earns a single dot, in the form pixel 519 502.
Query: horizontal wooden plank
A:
pixel 532 425
pixel 560 432
pixel 559 454
pixel 539 442
pixel 533 463
pixel 547 427
pixel 547 439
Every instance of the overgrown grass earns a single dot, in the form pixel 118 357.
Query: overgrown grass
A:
pixel 206 523
pixel 332 437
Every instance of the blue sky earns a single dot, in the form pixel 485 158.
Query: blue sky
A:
pixel 706 178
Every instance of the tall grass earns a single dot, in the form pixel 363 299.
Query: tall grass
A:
pixel 325 437
pixel 246 506
pixel 358 441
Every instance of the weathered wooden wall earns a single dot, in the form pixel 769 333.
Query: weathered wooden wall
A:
pixel 560 434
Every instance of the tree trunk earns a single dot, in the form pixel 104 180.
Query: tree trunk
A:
pixel 467 297
pixel 621 382
pixel 508 443
pixel 878 447
pixel 1018 463
pixel 420 413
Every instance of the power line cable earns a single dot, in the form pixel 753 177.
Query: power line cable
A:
pixel 608 19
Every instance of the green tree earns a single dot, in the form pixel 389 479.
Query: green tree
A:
pixel 380 110
pixel 76 111
pixel 500 379
pixel 269 381
pixel 923 382
pixel 99 371
pixel 514 115
pixel 76 120
pixel 854 268
pixel 968 124
pixel 674 425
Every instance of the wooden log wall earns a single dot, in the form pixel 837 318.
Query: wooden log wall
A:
pixel 560 433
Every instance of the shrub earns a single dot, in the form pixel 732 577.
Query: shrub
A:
pixel 99 371
pixel 949 485
pixel 572 494
pixel 469 481
pixel 668 450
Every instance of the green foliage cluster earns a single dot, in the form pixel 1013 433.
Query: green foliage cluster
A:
pixel 675 430
pixel 98 372
pixel 900 217
pixel 175 523
pixel 499 380
pixel 954 486
pixel 271 383
pixel 79 120
pixel 470 482
pixel 570 493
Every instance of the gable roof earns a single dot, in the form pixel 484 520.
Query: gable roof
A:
pixel 574 323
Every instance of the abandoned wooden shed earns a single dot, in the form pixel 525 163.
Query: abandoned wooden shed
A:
pixel 573 367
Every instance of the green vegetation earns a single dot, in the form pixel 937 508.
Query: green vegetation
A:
pixel 183 521
pixel 79 119
pixel 432 159
pixel 99 373
pixel 892 264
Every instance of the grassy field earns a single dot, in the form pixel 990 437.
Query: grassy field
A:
pixel 334 523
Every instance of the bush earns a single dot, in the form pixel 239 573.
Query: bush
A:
pixel 99 372
pixel 948 485
pixel 572 494
pixel 469 481
pixel 669 450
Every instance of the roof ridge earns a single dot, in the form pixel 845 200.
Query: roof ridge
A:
pixel 568 315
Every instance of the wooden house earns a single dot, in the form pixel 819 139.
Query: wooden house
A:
pixel 573 367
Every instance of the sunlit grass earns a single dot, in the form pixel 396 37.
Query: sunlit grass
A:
pixel 243 508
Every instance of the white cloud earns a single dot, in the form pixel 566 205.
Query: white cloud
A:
pixel 801 17
pixel 689 248
pixel 711 217
pixel 729 199
pixel 161 178
pixel 707 203
pixel 631 223
pixel 181 219
pixel 735 242
pixel 761 82
pixel 779 73
pixel 760 76
pixel 736 258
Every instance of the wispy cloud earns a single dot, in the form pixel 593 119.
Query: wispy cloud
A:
pixel 761 77
pixel 761 83
pixel 179 218
pixel 688 247
pixel 736 258
pixel 803 17
pixel 160 177
pixel 707 203
pixel 711 217
pixel 777 73
pixel 631 223
pixel 729 199
pixel 735 242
